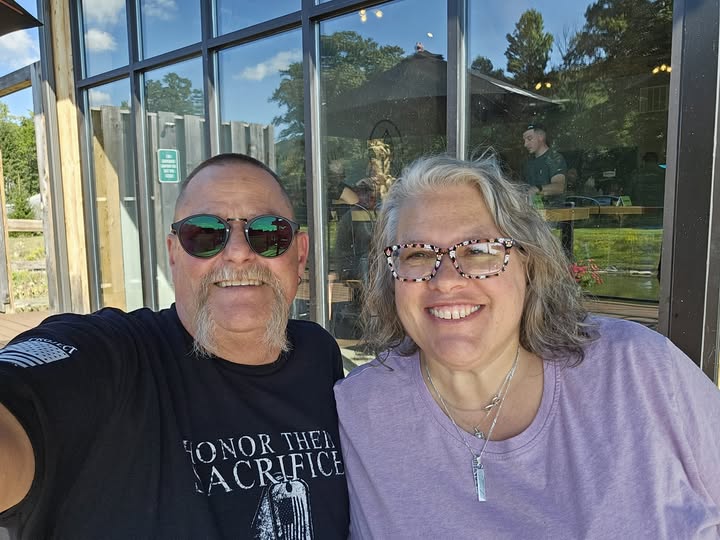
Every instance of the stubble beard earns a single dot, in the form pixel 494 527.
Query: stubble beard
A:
pixel 205 343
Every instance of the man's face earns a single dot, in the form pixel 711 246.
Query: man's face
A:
pixel 237 293
pixel 533 141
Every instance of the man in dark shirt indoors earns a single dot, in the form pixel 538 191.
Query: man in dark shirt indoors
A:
pixel 545 172
pixel 214 418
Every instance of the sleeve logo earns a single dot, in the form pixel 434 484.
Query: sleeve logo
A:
pixel 35 352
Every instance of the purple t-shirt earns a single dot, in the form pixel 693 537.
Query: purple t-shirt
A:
pixel 625 445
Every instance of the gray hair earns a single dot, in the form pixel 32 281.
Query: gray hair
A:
pixel 553 320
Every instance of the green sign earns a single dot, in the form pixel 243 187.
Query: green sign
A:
pixel 168 167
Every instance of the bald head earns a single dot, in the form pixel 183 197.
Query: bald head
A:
pixel 228 160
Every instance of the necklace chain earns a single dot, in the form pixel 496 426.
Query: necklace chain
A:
pixel 478 470
pixel 496 399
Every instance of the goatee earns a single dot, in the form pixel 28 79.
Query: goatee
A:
pixel 205 326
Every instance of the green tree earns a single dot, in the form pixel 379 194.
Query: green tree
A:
pixel 528 50
pixel 19 155
pixel 606 65
pixel 174 94
pixel 347 60
pixel 484 65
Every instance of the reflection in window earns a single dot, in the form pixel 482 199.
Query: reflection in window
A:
pixel 233 15
pixel 176 144
pixel 168 25
pixel 383 89
pixel 116 212
pixel 573 99
pixel 267 122
pixel 104 36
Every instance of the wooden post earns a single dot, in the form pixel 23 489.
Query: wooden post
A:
pixel 6 292
pixel 69 152
pixel 106 136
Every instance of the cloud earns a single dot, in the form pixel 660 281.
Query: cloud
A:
pixel 270 67
pixel 98 97
pixel 104 11
pixel 17 50
pixel 160 9
pixel 99 41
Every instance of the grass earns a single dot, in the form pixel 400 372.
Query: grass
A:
pixel 29 276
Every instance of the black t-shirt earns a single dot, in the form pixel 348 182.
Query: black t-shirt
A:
pixel 137 437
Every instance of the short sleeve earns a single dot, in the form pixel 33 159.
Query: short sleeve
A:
pixel 61 381
pixel 557 164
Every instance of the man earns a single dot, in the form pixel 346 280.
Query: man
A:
pixel 212 419
pixel 545 171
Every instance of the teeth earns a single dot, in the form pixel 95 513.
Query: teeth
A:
pixel 456 312
pixel 241 283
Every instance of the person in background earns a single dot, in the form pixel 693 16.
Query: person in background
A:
pixel 647 186
pixel 545 172
pixel 214 418
pixel 497 407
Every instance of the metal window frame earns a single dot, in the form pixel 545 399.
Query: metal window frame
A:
pixel 688 314
pixel 690 276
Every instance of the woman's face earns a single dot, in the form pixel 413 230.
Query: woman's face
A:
pixel 489 310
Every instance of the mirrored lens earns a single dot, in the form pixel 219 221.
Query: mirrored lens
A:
pixel 270 236
pixel 481 259
pixel 413 262
pixel 203 236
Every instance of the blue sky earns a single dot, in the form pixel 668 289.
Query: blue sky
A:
pixel 250 73
pixel 18 50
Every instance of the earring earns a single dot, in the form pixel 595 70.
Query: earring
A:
pixel 299 280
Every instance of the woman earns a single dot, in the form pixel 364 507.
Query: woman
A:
pixel 500 409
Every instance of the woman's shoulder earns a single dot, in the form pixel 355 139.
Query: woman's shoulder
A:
pixel 621 333
pixel 626 347
pixel 388 371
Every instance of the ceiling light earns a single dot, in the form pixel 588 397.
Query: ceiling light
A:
pixel 379 14
pixel 429 34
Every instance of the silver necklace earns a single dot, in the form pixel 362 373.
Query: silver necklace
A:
pixel 477 467
pixel 496 400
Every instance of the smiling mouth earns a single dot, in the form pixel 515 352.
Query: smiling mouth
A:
pixel 456 312
pixel 239 283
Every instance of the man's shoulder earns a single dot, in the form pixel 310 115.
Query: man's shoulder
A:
pixel 106 317
pixel 553 157
pixel 106 326
pixel 389 371
pixel 308 329
pixel 308 334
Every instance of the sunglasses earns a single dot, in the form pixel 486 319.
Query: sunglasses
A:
pixel 206 235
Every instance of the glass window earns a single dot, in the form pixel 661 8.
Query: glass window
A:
pixel 233 15
pixel 383 88
pixel 116 209
pixel 176 144
pixel 24 255
pixel 573 97
pixel 168 25
pixel 267 123
pixel 104 35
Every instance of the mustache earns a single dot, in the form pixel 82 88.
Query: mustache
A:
pixel 275 336
pixel 253 272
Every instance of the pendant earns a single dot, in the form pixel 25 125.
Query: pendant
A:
pixel 479 473
pixel 494 401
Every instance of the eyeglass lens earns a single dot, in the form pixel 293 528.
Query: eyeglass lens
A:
pixel 206 235
pixel 479 259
